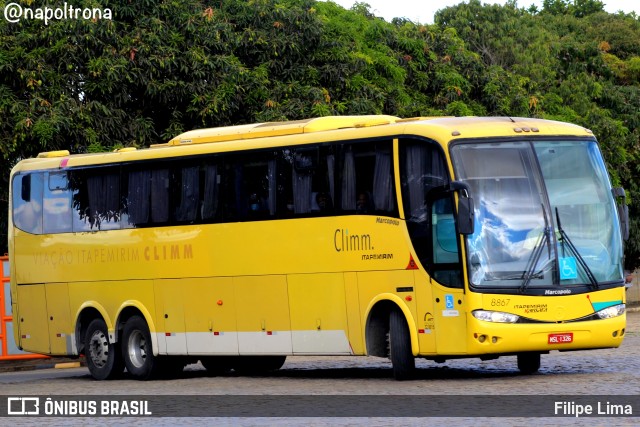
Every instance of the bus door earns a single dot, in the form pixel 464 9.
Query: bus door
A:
pixel 449 314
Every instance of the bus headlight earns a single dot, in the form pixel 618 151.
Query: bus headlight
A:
pixel 495 316
pixel 613 311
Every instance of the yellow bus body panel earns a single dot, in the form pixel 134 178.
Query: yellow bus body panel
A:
pixel 59 317
pixel 32 322
pixel 289 286
pixel 317 303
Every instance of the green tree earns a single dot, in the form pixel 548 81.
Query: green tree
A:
pixel 161 67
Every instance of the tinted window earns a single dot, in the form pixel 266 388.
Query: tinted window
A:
pixel 96 198
pixel 56 203
pixel 428 209
pixel 339 179
pixel 317 180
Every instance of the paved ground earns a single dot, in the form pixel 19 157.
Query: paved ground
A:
pixel 606 373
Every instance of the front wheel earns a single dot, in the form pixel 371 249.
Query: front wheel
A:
pixel 103 358
pixel 528 363
pixel 402 359
pixel 137 350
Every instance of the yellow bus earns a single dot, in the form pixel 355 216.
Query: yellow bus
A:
pixel 435 238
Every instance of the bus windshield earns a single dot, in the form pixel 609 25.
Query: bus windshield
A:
pixel 521 190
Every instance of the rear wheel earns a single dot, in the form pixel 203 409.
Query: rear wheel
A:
pixel 103 358
pixel 402 359
pixel 528 363
pixel 137 350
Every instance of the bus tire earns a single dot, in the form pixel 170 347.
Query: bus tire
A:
pixel 528 363
pixel 103 358
pixel 402 359
pixel 137 350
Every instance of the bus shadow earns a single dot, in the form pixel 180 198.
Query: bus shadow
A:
pixel 356 373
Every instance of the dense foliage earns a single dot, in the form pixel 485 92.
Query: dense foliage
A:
pixel 162 67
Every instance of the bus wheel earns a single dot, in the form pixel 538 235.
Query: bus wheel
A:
pixel 528 363
pixel 402 359
pixel 103 358
pixel 137 351
pixel 258 364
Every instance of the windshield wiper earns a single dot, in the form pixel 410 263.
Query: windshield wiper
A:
pixel 564 238
pixel 529 272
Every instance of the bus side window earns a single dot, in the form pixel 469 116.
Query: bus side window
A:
pixel 160 200
pixel 27 202
pixel 96 199
pixel 382 185
pixel 311 173
pixel 303 168
pixel 210 193
pixel 147 197
pixel 254 185
pixel 57 203
pixel 365 178
pixel 189 194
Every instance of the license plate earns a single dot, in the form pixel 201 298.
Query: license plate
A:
pixel 564 338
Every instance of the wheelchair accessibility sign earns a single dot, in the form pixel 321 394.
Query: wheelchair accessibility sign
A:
pixel 568 268
pixel 448 301
pixel 449 306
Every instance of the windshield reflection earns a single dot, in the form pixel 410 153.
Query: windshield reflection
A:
pixel 508 182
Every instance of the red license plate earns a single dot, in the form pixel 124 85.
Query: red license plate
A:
pixel 563 338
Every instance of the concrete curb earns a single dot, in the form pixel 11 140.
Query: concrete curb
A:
pixel 67 365
pixel 36 364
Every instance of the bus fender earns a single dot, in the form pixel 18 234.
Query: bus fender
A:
pixel 105 316
pixel 147 317
pixel 407 314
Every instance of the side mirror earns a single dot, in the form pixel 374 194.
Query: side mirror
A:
pixel 623 211
pixel 26 188
pixel 466 216
pixel 466 212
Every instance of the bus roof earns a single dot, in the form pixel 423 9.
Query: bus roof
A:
pixel 262 130
pixel 448 129
pixel 333 128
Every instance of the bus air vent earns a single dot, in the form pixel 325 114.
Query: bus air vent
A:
pixel 51 154
pixel 272 129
